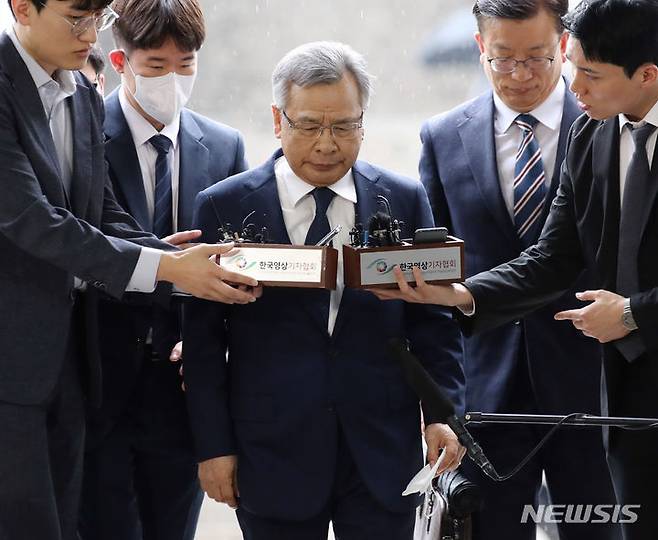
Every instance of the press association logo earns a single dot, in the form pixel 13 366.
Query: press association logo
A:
pixel 381 266
pixel 580 513
pixel 241 262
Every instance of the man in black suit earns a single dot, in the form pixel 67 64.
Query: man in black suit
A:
pixel 605 219
pixel 62 236
pixel 140 473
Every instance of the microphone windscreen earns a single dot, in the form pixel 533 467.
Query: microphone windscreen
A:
pixel 422 383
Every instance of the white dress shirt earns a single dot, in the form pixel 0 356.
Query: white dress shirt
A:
pixel 147 155
pixel 54 93
pixel 298 207
pixel 627 145
pixel 508 138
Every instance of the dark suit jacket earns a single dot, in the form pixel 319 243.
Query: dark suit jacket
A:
pixel 47 237
pixel 287 385
pixel 459 170
pixel 209 152
pixel 582 232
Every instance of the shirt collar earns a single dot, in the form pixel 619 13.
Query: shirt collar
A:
pixel 140 127
pixel 298 188
pixel 650 118
pixel 549 113
pixel 63 77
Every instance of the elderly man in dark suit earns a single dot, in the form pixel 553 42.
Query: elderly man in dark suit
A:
pixel 470 166
pixel 604 219
pixel 310 420
pixel 62 236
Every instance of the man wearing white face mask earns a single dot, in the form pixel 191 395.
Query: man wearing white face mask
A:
pixel 140 472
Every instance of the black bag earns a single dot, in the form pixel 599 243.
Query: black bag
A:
pixel 444 513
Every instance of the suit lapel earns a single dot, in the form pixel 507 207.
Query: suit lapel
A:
pixel 194 174
pixel 367 190
pixel 263 201
pixel 122 157
pixel 477 135
pixel 28 98
pixel 605 178
pixel 570 112
pixel 82 173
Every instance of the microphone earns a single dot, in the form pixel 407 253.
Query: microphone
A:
pixel 438 405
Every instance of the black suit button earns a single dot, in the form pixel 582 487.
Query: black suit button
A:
pixel 517 323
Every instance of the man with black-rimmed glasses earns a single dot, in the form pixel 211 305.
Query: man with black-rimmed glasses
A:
pixel 63 239
pixel 491 168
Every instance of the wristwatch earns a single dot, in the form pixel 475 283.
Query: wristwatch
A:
pixel 627 316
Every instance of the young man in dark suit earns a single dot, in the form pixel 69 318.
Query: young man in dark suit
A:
pixel 140 477
pixel 62 238
pixel 604 219
pixel 310 420
pixel 470 166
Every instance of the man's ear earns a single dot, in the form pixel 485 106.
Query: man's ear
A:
pixel 118 60
pixel 564 38
pixel 276 117
pixel 479 41
pixel 649 73
pixel 23 11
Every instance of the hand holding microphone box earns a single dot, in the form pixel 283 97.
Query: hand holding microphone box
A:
pixel 279 265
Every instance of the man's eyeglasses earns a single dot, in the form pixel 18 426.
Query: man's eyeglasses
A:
pixel 79 25
pixel 510 65
pixel 311 130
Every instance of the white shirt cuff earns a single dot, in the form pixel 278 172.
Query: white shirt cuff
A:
pixel 468 312
pixel 145 272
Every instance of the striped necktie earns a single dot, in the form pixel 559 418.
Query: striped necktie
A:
pixel 529 183
pixel 163 223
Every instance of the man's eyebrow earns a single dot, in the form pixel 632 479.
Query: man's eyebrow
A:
pixel 585 69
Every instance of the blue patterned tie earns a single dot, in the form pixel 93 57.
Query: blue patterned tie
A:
pixel 320 226
pixel 163 224
pixel 529 183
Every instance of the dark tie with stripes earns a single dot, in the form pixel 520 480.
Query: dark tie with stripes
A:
pixel 164 323
pixel 162 215
pixel 529 183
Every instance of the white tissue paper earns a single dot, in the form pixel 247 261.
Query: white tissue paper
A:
pixel 422 481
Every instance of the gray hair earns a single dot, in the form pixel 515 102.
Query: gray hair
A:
pixel 320 62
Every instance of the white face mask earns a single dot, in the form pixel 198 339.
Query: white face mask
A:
pixel 163 97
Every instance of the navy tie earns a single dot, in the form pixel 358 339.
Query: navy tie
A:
pixel 163 224
pixel 320 226
pixel 529 183
pixel 633 210
pixel 165 333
